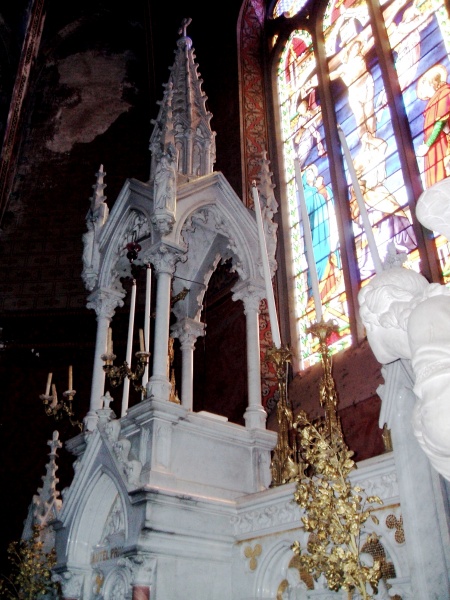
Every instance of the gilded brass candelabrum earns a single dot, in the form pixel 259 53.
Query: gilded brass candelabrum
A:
pixel 59 409
pixel 334 510
pixel 327 388
pixel 286 463
pixel 116 374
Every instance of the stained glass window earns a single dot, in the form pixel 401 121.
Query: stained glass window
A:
pixel 288 8
pixel 362 112
pixel 378 190
pixel 304 142
pixel 419 34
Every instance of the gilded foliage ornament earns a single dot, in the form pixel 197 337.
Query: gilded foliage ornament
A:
pixel 335 511
pixel 31 571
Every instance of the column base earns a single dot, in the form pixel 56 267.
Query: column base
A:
pixel 159 388
pixel 90 421
pixel 255 417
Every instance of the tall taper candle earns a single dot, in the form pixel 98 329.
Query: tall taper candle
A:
pixel 307 235
pixel 54 397
pixel 131 323
pixel 361 204
pixel 49 381
pixel 109 343
pixel 148 296
pixel 267 278
pixel 126 383
pixel 70 378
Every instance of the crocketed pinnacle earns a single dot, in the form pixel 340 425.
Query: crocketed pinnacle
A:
pixel 183 120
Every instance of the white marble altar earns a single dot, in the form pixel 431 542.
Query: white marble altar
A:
pixel 169 504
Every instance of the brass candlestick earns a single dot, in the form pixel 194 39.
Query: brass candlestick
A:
pixel 327 389
pixel 116 374
pixel 334 511
pixel 57 409
pixel 286 463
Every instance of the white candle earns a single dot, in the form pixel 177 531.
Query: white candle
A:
pixel 54 397
pixel 126 383
pixel 70 378
pixel 148 297
pixel 307 235
pixel 361 204
pixel 267 279
pixel 49 381
pixel 131 323
pixel 141 340
pixel 109 342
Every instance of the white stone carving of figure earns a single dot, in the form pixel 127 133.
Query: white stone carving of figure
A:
pixel 429 340
pixel 88 245
pixel 297 588
pixel 385 305
pixel 431 360
pixel 165 180
pixel 407 317
pixel 433 207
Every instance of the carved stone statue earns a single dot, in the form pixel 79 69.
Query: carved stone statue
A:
pixel 165 181
pixel 429 340
pixel 386 303
pixel 407 317
pixel 433 208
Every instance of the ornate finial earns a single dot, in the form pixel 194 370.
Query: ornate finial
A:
pixel 184 25
pixel 54 443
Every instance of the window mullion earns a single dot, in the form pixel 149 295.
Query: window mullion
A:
pixel 339 184
pixel 403 136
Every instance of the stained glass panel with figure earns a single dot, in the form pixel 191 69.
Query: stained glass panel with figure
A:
pixel 419 34
pixel 361 109
pixel 303 138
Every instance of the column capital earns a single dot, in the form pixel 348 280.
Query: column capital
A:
pixel 164 258
pixel 143 568
pixel 105 302
pixel 187 330
pixel 251 294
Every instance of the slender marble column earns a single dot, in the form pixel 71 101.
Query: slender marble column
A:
pixel 187 330
pixel 164 261
pixel 147 319
pixel 104 302
pixel 255 416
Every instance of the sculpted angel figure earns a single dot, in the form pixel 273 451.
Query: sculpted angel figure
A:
pixel 406 317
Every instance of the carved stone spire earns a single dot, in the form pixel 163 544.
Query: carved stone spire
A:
pixel 183 120
pixel 95 219
pixel 269 207
pixel 46 503
pixel 98 207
